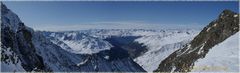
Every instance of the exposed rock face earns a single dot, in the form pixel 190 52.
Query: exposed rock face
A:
pixel 217 31
pixel 18 37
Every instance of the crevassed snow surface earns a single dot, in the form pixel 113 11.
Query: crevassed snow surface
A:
pixel 161 46
pixel 223 57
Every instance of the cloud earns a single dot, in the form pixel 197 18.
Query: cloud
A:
pixel 116 25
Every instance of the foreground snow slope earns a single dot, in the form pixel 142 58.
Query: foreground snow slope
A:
pixel 162 45
pixel 223 57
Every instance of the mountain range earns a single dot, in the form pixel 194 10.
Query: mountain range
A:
pixel 120 50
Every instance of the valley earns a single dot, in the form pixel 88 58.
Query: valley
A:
pixel 213 48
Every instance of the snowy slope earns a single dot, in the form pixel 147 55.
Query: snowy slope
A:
pixel 223 57
pixel 14 64
pixel 79 43
pixel 162 45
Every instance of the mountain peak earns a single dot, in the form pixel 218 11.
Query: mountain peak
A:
pixel 10 20
pixel 216 32
pixel 4 9
pixel 227 13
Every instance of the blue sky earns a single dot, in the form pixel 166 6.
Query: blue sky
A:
pixel 77 15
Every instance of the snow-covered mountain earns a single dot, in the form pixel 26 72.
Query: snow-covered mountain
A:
pixel 161 46
pixel 205 47
pixel 23 49
pixel 147 47
pixel 88 50
pixel 78 43
pixel 119 50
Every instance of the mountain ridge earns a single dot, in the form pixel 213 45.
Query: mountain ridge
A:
pixel 115 50
pixel 217 31
pixel 28 50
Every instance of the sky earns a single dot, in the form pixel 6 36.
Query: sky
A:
pixel 81 15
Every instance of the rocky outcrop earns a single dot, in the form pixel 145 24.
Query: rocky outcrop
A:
pixel 216 32
pixel 16 36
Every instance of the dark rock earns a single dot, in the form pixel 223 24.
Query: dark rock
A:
pixel 216 32
pixel 20 43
